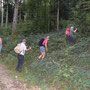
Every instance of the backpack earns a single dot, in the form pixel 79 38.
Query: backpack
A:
pixel 68 32
pixel 40 43
pixel 17 48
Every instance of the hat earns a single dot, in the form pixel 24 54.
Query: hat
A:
pixel 48 37
pixel 24 40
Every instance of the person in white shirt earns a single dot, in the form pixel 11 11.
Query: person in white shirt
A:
pixel 23 48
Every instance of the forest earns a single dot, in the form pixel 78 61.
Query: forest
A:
pixel 65 67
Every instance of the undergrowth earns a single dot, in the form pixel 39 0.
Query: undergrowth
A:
pixel 64 67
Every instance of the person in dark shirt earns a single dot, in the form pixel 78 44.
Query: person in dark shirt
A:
pixel 71 39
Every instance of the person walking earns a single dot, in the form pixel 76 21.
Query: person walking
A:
pixel 23 48
pixel 0 45
pixel 67 34
pixel 43 47
pixel 71 38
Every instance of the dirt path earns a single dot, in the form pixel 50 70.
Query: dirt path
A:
pixel 7 83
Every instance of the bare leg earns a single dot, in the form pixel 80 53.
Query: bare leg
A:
pixel 43 55
pixel 40 56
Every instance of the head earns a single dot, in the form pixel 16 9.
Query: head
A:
pixel 72 27
pixel 48 37
pixel 24 41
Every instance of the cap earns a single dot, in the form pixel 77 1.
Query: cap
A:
pixel 24 40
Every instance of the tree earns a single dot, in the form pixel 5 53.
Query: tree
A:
pixel 7 15
pixel 2 10
pixel 81 16
pixel 58 15
pixel 15 19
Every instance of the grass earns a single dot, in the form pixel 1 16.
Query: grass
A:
pixel 64 67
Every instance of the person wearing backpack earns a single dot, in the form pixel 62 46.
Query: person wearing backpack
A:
pixel 0 44
pixel 43 47
pixel 72 31
pixel 21 54
pixel 68 34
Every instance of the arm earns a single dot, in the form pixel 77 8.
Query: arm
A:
pixel 1 45
pixel 28 49
pixel 1 42
pixel 46 46
pixel 75 30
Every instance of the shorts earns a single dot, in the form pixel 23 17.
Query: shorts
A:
pixel 42 48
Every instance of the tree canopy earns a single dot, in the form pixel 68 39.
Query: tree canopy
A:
pixel 42 16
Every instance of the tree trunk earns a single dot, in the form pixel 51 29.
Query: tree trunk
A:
pixel 58 15
pixel 19 11
pixel 15 19
pixel 49 16
pixel 25 13
pixel 2 10
pixel 7 16
pixel 45 19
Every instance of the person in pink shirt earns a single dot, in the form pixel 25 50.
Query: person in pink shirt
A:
pixel 43 47
pixel 0 44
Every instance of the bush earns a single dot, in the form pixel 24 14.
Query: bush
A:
pixel 63 65
pixel 66 23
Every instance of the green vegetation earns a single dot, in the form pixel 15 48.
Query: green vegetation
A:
pixel 64 67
